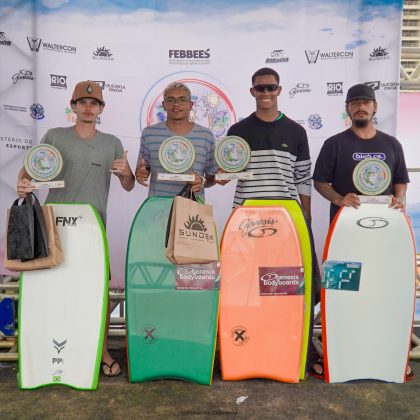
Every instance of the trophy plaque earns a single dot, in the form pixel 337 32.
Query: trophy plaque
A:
pixel 43 163
pixel 371 176
pixel 232 155
pixel 176 155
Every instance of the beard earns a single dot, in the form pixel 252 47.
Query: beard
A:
pixel 361 123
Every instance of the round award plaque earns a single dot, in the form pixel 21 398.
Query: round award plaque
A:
pixel 176 154
pixel 43 162
pixel 233 154
pixel 371 176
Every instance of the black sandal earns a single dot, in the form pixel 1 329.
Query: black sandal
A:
pixel 105 366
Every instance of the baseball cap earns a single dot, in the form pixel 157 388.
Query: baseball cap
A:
pixel 360 91
pixel 88 89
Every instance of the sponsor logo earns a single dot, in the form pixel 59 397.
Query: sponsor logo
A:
pixel 376 85
pixel 315 121
pixel 111 87
pixel 15 143
pixel 372 155
pixel 276 56
pixel 58 81
pixel 37 111
pixel 195 229
pixel 372 222
pixel 23 75
pixel 36 43
pixel 239 336
pixel 341 275
pixel 258 228
pixel 103 54
pixel 275 281
pixel 4 40
pixel 67 221
pixel 379 53
pixel 314 55
pixel 299 88
pixel 189 56
pixel 196 276
pixel 57 361
pixel 334 88
pixel 149 334
pixel 59 346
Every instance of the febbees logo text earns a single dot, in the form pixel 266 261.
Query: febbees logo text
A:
pixel 195 229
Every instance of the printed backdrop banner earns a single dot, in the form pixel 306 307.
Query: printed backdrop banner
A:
pixel 135 48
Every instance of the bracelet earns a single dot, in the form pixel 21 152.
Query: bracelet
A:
pixel 204 181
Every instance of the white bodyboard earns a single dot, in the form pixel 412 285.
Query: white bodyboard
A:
pixel 62 310
pixel 368 332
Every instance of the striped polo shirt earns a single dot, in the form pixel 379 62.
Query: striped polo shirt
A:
pixel 280 159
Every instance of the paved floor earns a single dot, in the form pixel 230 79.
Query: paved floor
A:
pixel 116 398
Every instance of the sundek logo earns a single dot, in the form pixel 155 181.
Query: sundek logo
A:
pixel 372 155
pixel 67 221
pixel 195 229
pixel 258 228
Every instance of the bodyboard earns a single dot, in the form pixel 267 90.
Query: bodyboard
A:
pixel 308 255
pixel 62 310
pixel 171 332
pixel 368 294
pixel 261 296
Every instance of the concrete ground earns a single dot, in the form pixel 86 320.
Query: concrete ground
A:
pixel 116 398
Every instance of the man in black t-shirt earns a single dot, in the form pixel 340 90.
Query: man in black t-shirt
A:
pixel 333 175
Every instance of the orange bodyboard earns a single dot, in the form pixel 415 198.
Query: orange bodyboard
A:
pixel 260 327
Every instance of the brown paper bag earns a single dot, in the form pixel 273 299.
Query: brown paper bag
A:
pixel 55 252
pixel 192 233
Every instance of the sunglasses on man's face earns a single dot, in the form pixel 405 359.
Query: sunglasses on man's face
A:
pixel 268 88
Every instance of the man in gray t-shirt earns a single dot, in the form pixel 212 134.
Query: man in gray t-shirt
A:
pixel 177 104
pixel 89 159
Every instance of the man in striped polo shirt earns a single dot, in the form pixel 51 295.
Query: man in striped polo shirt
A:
pixel 280 158
pixel 177 103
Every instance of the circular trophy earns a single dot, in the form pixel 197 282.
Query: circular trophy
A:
pixel 371 176
pixel 176 154
pixel 233 154
pixel 43 162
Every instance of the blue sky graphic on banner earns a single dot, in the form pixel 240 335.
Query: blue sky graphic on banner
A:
pixel 133 49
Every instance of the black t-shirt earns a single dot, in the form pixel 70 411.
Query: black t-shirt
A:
pixel 341 153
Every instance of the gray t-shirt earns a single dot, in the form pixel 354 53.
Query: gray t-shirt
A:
pixel 86 165
pixel 204 164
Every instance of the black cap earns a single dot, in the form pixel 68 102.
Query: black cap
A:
pixel 360 91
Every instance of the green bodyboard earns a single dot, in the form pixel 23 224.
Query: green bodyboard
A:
pixel 170 333
pixel 308 254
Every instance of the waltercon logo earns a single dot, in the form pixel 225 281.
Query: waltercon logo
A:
pixel 334 88
pixel 195 229
pixel 313 55
pixel 379 54
pixel 103 54
pixel 58 81
pixel 35 44
pixel 299 88
pixel 258 228
pixel 189 56
pixel 277 56
pixel 149 334
pixel 67 221
pixel 23 75
pixel 372 222
pixel 4 40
